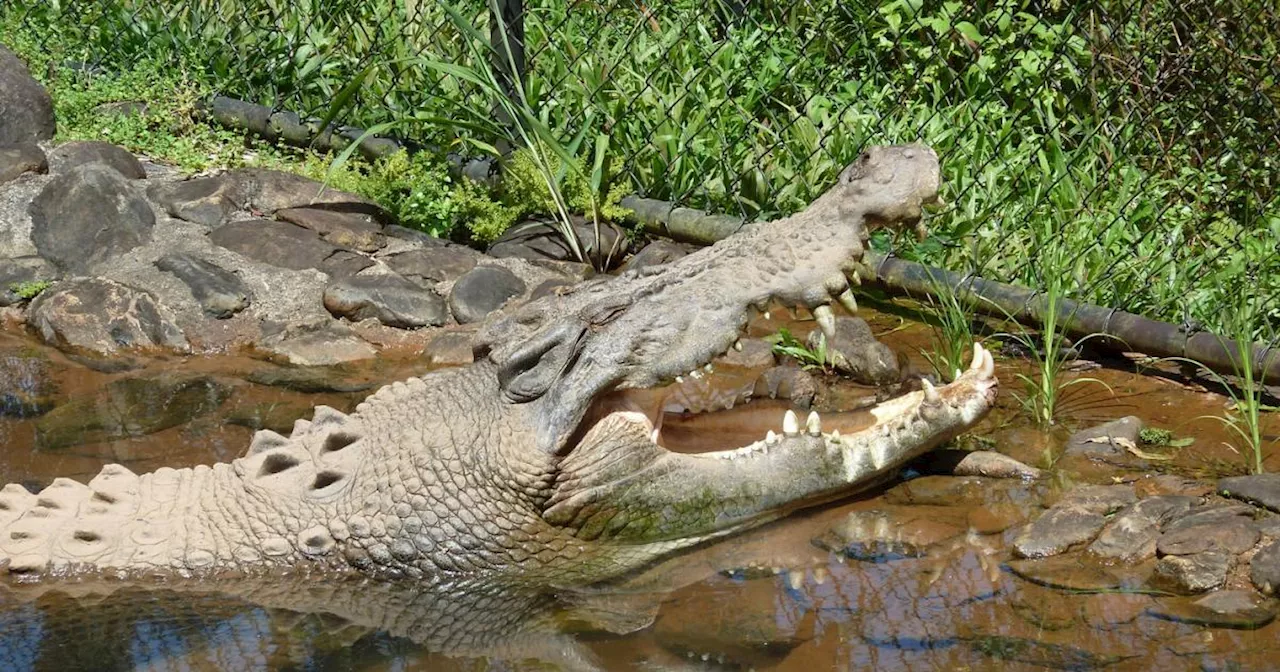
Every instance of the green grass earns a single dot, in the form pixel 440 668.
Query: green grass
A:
pixel 31 289
pixel 785 344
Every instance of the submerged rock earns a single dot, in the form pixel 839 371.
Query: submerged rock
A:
pixel 1187 574
pixel 1064 573
pixel 882 536
pixel 130 407
pixel 1238 609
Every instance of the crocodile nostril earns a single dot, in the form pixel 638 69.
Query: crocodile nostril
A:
pixel 276 463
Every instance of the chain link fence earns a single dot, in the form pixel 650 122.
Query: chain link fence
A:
pixel 1121 152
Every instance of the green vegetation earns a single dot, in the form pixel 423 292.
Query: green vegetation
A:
pixel 950 314
pixel 30 290
pixel 785 344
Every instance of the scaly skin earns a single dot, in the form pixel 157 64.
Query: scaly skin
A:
pixel 531 463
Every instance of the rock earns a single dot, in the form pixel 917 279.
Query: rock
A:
pixel 308 380
pixel 786 382
pixel 87 215
pixel 657 253
pixel 130 407
pixel 994 518
pixel 220 293
pixel 855 352
pixel 541 240
pixel 1084 442
pixel 1208 515
pixel 1059 529
pixel 21 158
pixel 1131 535
pixel 1044 610
pixel 481 291
pixel 390 299
pixel 944 491
pixel 267 191
pixel 881 536
pixel 1104 499
pixel 316 345
pixel 452 348
pixel 977 463
pixel 101 317
pixel 433 264
pixel 753 353
pixel 22 270
pixel 354 230
pixel 26 110
pixel 1234 535
pixel 1269 527
pixel 27 388
pixel 1187 574
pixel 275 416
pixel 72 155
pixel 1264 569
pixel 1238 609
pixel 209 201
pixel 1260 489
pixel 733 639
pixel 1112 610
pixel 287 246
pixel 549 288
pixel 1037 654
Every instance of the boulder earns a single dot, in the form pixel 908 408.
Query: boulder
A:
pixel 355 230
pixel 210 201
pixel 266 192
pixel 220 292
pixel 26 110
pixel 1260 489
pixel 21 158
pixel 1264 569
pixel 287 245
pixel 16 272
pixel 654 254
pixel 87 215
pixel 481 291
pixel 430 265
pixel 72 155
pixel 855 352
pixel 390 299
pixel 103 317
pixel 543 240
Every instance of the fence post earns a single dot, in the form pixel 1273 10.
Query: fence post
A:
pixel 506 34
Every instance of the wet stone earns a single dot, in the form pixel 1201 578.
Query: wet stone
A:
pixel 943 491
pixel 87 215
pixel 1058 530
pixel 1039 654
pixel 21 270
pixel 220 292
pixel 209 201
pixel 786 382
pixel 976 463
pixel 1083 442
pixel 102 317
pixel 481 291
pixel 1131 535
pixel 1111 610
pixel 1238 609
pixel 80 153
pixel 316 345
pixel 275 416
pixel 1264 569
pixel 27 388
pixel 1065 573
pixel 389 299
pixel 882 536
pixel 1188 574
pixel 356 230
pixel 855 352
pixel 308 380
pixel 1260 489
pixel 1234 535
pixel 1104 499
pixel 21 158
pixel 995 518
pixel 130 407
pixel 1044 610
pixel 430 265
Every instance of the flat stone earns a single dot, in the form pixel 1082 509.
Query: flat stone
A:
pixel 451 348
pixel 1260 489
pixel 1214 514
pixel 26 110
pixel 71 155
pixel 481 291
pixel 549 288
pixel 316 345
pixel 978 463
pixel 1269 527
pixel 267 191
pixel 786 382
pixel 209 201
pixel 855 352
pixel 1264 569
pixel 130 407
pixel 1126 428
pixel 20 270
pixel 1064 573
pixel 287 246
pixel 355 230
pixel 541 240
pixel 657 253
pixel 389 298
pixel 882 536
pixel 1131 535
pixel 1235 535
pixel 1237 609
pixel 1104 499
pixel 755 353
pixel 1057 531
pixel 433 264
pixel 87 215
pixel 220 292
pixel 22 158
pixel 102 317
pixel 1188 574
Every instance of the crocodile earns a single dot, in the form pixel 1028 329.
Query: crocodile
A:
pixel 543 460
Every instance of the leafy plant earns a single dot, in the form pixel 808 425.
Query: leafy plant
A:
pixel 30 289
pixel 950 316
pixel 787 345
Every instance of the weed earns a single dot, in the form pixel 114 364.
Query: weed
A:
pixel 1154 436
pixel 787 345
pixel 951 315
pixel 30 289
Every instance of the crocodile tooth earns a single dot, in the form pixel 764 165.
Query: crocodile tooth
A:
pixel 790 423
pixel 708 368
pixel 737 345
pixel 956 375
pixel 771 438
pixel 694 374
pixel 679 379
pixel 814 424
pixel 846 299
pixel 835 436
pixel 930 392
pixel 826 321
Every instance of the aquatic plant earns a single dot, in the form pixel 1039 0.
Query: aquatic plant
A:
pixel 785 344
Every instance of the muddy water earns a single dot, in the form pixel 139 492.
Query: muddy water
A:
pixel 767 600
